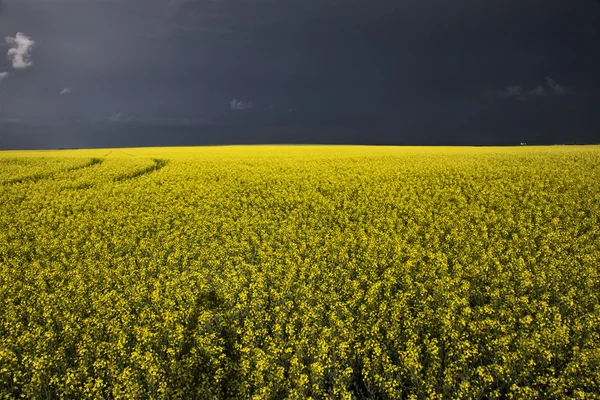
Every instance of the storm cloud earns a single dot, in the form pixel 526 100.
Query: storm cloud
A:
pixel 383 71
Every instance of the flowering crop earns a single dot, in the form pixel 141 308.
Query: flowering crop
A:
pixel 299 272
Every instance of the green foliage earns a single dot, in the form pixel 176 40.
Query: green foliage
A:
pixel 300 272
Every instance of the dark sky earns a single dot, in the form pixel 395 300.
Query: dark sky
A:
pixel 178 72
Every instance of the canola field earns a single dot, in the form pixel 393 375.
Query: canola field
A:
pixel 323 272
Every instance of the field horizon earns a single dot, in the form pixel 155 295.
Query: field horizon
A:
pixel 253 145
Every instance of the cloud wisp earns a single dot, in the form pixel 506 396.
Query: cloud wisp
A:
pixel 555 87
pixel 237 105
pixel 552 88
pixel 3 75
pixel 118 117
pixel 20 52
pixel 208 16
pixel 66 90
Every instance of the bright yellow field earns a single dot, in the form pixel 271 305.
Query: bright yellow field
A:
pixel 273 272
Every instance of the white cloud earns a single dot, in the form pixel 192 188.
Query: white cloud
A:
pixel 118 117
pixel 20 51
pixel 115 117
pixel 511 91
pixel 555 87
pixel 539 91
pixel 240 105
pixel 3 76
pixel 66 90
pixel 552 88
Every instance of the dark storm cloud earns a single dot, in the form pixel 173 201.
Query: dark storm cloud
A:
pixel 381 71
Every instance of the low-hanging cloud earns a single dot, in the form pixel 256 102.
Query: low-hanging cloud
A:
pixel 555 87
pixel 552 88
pixel 119 117
pixel 241 105
pixel 511 91
pixel 3 75
pixel 20 52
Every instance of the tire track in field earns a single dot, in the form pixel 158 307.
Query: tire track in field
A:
pixel 38 177
pixel 158 164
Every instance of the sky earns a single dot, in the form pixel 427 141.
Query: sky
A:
pixel 109 73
